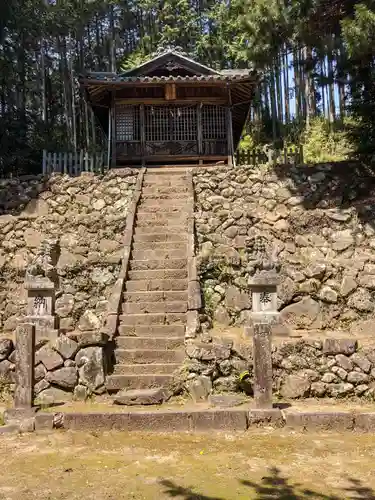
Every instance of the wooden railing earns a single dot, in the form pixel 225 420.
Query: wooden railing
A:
pixel 290 155
pixel 74 163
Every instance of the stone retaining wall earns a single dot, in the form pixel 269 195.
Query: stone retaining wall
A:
pixel 87 214
pixel 306 368
pixel 71 366
pixel 320 219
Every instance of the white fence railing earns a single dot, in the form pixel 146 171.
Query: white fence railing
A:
pixel 74 163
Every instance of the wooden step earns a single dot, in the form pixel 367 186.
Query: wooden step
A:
pixel 147 369
pixel 143 356
pixel 117 382
pixel 158 343
pixel 152 319
pixel 158 274
pixel 154 307
pixel 151 285
pixel 144 265
pixel 175 330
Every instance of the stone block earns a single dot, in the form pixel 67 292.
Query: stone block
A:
pixel 50 358
pixel 199 388
pixel 260 417
pixel 6 347
pixel 139 397
pixel 27 425
pixel 340 421
pixel 339 346
pixel 219 420
pixel 44 421
pixel 364 422
pixel 16 415
pixel 9 429
pixel 86 339
pixel 65 346
pixel 295 386
pixel 63 377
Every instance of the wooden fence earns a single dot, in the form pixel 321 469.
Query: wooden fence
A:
pixel 74 163
pixel 290 155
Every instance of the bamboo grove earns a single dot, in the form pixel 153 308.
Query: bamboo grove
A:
pixel 316 59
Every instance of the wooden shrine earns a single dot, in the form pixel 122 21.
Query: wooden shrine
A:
pixel 171 110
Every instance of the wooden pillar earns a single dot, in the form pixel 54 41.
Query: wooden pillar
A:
pixel 142 125
pixel 113 129
pixel 199 131
pixel 109 137
pixel 230 130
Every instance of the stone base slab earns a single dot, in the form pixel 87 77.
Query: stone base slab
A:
pixel 228 420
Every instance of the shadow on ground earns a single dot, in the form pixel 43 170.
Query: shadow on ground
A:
pixel 275 486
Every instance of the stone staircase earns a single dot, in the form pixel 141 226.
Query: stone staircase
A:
pixel 150 341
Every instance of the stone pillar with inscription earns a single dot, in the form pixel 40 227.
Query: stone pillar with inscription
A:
pixel 40 284
pixel 263 280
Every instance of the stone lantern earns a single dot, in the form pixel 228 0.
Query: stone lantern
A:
pixel 263 270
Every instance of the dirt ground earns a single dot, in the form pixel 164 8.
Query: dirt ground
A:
pixel 260 464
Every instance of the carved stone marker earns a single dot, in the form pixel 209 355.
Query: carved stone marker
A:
pixel 263 281
pixel 40 285
pixel 25 360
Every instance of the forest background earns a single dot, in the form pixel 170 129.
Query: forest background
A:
pixel 316 58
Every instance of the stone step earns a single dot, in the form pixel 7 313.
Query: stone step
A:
pixel 160 196
pixel 175 330
pixel 164 183
pixel 165 188
pixel 158 344
pixel 147 369
pixel 158 274
pixel 155 237
pixel 152 319
pixel 161 217
pixel 144 356
pixel 154 307
pixel 161 254
pixel 159 245
pixel 117 382
pixel 162 225
pixel 144 265
pixel 139 297
pixel 153 285
pixel 145 208
pixel 142 397
pixel 161 229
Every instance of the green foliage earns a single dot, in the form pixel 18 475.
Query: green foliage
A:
pixel 323 142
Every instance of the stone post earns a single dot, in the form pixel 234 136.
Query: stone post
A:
pixel 25 360
pixel 263 285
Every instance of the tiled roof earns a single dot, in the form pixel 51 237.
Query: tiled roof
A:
pixel 223 77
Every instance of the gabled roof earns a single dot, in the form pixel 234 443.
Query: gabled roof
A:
pixel 173 58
